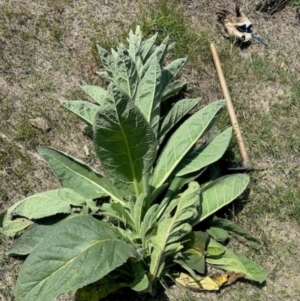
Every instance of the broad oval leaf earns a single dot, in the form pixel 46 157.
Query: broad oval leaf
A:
pixel 84 109
pixel 29 240
pixel 141 281
pixel 194 251
pixel 206 154
pixel 48 203
pixel 124 141
pixel 12 227
pixel 183 140
pixel 80 251
pixel 220 193
pixel 74 174
pixel 218 234
pixel 177 112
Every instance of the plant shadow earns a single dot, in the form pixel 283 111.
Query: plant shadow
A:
pixel 126 294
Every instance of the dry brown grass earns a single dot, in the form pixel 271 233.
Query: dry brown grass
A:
pixel 46 53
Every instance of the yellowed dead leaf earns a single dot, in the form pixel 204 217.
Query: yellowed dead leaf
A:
pixel 233 277
pixel 220 279
pixel 202 283
pixel 208 284
pixel 226 279
pixel 213 283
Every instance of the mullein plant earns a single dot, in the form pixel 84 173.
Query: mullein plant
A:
pixel 142 223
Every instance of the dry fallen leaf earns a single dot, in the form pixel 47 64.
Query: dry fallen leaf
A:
pixel 213 283
pixel 226 279
pixel 40 123
pixel 202 284
pixel 233 277
pixel 220 279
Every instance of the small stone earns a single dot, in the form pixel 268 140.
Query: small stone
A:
pixel 40 123
pixel 283 65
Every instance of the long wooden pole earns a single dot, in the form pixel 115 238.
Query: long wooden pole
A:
pixel 234 122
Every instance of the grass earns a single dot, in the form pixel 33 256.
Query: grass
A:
pixel 47 51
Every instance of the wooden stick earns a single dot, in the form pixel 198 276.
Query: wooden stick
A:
pixel 230 108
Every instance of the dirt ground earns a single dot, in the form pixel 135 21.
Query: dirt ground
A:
pixel 47 52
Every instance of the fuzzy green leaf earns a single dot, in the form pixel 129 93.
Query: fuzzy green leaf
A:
pixel 74 174
pixel 206 154
pixel 197 240
pixel 232 262
pixel 80 251
pixel 166 207
pixel 178 182
pixel 114 53
pixel 148 221
pixel 120 213
pixel 220 193
pixel 148 95
pixel 218 234
pixel 12 227
pixel 141 281
pixel 107 60
pixel 214 249
pixel 170 71
pixel 173 88
pixel 126 75
pixel 187 267
pixel 124 142
pixel 158 54
pixel 29 240
pixel 226 225
pixel 140 284
pixel 95 92
pixel 171 230
pixel 84 109
pixel 135 40
pixel 48 203
pixel 138 211
pixel 194 252
pixel 34 234
pixel 177 112
pixel 146 48
pixel 183 140
pixel 104 74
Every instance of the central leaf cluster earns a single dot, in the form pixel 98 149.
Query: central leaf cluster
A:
pixel 133 226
